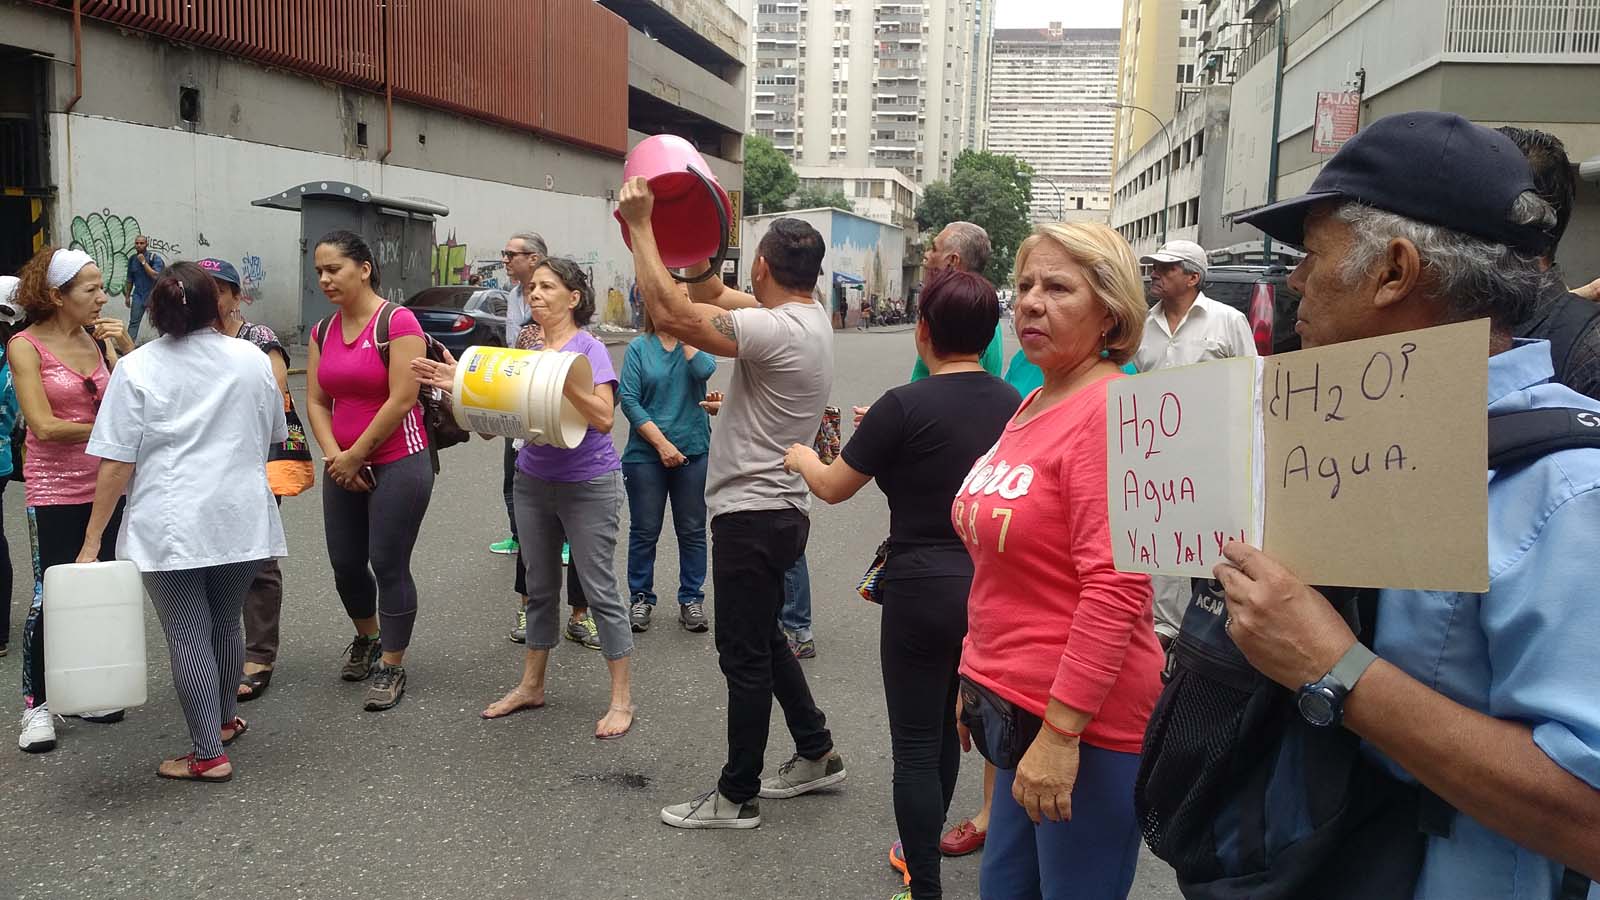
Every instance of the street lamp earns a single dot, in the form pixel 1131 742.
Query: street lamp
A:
pixel 1166 197
pixel 1061 199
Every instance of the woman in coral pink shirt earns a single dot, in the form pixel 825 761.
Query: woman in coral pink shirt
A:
pixel 363 411
pixel 1054 632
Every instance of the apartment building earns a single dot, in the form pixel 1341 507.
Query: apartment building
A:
pixel 870 83
pixel 1052 95
pixel 1495 62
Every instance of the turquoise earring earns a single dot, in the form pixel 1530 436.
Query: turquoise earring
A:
pixel 1104 353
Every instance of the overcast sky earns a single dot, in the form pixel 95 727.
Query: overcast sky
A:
pixel 1071 13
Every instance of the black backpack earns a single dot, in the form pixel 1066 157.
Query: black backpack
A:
pixel 1245 799
pixel 437 416
pixel 1566 327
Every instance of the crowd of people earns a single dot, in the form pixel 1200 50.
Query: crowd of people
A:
pixel 1263 736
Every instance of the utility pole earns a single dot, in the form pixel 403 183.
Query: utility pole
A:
pixel 1280 51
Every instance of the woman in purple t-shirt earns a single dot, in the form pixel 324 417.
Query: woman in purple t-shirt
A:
pixel 578 491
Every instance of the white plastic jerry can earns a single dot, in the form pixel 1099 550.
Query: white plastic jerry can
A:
pixel 94 653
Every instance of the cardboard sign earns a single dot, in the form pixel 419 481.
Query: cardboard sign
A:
pixel 1363 464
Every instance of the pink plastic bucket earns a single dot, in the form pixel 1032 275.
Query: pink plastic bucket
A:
pixel 691 208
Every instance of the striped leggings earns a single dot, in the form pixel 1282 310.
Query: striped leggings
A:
pixel 199 611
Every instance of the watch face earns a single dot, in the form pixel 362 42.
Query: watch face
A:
pixel 1317 706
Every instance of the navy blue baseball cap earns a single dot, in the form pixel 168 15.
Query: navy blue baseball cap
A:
pixel 221 270
pixel 1433 167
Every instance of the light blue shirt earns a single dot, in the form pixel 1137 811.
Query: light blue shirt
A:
pixel 1529 649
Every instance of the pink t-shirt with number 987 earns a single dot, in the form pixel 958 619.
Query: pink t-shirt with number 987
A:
pixel 354 377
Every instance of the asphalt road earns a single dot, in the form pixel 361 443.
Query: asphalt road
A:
pixel 429 801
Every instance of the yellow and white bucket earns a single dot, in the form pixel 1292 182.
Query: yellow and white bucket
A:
pixel 519 394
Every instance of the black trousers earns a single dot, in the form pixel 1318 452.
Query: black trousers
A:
pixel 924 622
pixel 750 551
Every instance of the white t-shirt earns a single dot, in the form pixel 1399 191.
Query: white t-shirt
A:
pixel 195 415
pixel 1209 331
pixel 780 386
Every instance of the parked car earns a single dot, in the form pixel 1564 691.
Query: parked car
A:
pixel 461 316
pixel 1263 294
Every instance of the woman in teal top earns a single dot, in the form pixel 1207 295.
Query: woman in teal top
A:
pixel 663 382
pixel 11 319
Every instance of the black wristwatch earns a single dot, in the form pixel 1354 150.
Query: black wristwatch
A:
pixel 1322 702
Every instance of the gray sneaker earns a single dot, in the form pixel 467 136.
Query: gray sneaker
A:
pixel 584 632
pixel 692 616
pixel 387 687
pixel 519 632
pixel 801 776
pixel 364 654
pixel 639 614
pixel 712 810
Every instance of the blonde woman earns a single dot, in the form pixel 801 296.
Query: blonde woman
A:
pixel 1060 669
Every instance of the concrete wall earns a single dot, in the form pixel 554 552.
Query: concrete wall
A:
pixel 199 205
pixel 658 71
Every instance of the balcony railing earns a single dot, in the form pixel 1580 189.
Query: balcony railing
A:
pixel 1524 28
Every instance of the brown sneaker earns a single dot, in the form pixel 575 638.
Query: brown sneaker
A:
pixel 364 654
pixel 387 687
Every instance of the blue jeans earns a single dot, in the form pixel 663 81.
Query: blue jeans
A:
pixel 795 617
pixel 1090 857
pixel 649 486
pixel 135 316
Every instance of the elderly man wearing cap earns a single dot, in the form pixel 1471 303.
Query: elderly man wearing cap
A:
pixel 1488 702
pixel 1184 328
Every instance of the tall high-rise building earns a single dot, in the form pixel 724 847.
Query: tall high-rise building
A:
pixel 1051 92
pixel 1160 58
pixel 870 83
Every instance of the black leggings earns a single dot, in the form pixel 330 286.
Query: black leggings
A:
pixel 379 528
pixel 924 622
pixel 5 574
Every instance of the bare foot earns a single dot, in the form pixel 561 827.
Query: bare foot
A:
pixel 615 724
pixel 516 700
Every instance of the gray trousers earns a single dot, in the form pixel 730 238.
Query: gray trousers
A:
pixel 589 513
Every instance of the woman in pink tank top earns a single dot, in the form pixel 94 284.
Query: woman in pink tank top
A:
pixel 362 407
pixel 60 371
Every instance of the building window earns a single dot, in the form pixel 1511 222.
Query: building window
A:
pixel 1199 144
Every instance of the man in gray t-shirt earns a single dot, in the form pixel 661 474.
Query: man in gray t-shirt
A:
pixel 783 342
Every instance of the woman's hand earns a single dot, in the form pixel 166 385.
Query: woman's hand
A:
pixel 115 331
pixel 797 456
pixel 91 549
pixel 962 731
pixel 859 412
pixel 345 469
pixel 670 457
pixel 712 404
pixel 441 375
pixel 1044 780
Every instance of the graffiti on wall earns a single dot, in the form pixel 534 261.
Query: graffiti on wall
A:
pixel 109 239
pixel 450 264
pixel 254 275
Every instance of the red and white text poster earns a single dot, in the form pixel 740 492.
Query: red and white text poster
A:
pixel 1338 118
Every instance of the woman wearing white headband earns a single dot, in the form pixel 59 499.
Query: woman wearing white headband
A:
pixel 60 372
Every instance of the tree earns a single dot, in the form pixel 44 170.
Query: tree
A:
pixel 768 178
pixel 990 190
pixel 811 196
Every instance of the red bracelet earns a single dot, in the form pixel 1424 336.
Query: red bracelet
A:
pixel 1061 731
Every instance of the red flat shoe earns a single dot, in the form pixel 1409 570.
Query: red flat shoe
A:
pixel 188 768
pixel 962 840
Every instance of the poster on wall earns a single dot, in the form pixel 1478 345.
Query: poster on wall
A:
pixel 1338 119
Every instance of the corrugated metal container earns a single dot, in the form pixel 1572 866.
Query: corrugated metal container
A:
pixel 558 67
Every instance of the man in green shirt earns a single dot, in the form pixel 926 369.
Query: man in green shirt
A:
pixel 965 246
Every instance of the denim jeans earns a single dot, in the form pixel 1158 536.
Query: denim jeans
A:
pixel 135 317
pixel 649 486
pixel 796 615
